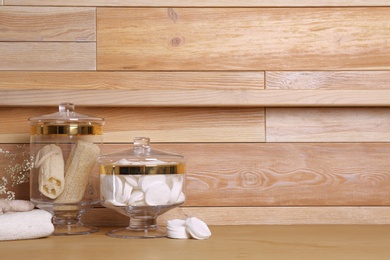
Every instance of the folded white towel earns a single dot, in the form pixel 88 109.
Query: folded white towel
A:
pixel 25 225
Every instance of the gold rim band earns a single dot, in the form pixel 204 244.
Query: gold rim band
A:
pixel 142 169
pixel 66 130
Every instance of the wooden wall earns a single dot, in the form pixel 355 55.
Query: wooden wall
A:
pixel 281 107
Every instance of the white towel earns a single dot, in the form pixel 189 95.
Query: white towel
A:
pixel 25 225
pixel 15 205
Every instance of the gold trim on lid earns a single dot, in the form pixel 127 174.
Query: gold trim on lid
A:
pixel 72 129
pixel 142 169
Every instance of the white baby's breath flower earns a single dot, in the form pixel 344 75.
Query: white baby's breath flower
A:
pixel 14 170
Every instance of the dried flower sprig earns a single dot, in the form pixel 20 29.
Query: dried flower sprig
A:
pixel 17 171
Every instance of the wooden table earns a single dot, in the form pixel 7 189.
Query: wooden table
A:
pixel 227 242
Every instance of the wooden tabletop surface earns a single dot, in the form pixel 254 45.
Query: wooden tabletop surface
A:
pixel 227 242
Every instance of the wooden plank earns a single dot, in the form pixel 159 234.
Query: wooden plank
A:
pixel 47 24
pixel 276 242
pixel 151 80
pixel 160 124
pixel 200 3
pixel 280 174
pixel 196 98
pixel 328 125
pixel 284 174
pixel 367 80
pixel 256 216
pixel 184 124
pixel 47 56
pixel 266 38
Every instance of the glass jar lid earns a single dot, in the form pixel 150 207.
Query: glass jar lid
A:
pixel 141 159
pixel 66 122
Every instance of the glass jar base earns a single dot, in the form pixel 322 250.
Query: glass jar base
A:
pixel 130 233
pixel 73 229
pixel 67 217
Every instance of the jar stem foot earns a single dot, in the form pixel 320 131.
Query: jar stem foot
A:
pixel 69 223
pixel 139 227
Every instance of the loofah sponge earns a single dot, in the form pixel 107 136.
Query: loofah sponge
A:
pixel 51 171
pixel 78 167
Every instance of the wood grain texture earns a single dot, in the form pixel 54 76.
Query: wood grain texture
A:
pixel 275 242
pixel 47 24
pixel 256 216
pixel 160 124
pixel 184 124
pixel 47 56
pixel 196 98
pixel 200 3
pixel 150 80
pixel 286 174
pixel 368 80
pixel 192 79
pixel 243 38
pixel 328 125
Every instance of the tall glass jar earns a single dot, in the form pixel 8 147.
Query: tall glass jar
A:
pixel 142 183
pixel 64 179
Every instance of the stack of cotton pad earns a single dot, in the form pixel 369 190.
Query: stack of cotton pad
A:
pixel 142 190
pixel 189 228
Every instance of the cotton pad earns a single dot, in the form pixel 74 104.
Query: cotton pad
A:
pixel 136 197
pixel 177 187
pixel 148 180
pixel 189 228
pixel 143 190
pixel 176 229
pixel 131 180
pixel 157 194
pixel 197 228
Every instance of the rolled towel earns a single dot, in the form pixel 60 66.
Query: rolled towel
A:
pixel 15 205
pixel 25 225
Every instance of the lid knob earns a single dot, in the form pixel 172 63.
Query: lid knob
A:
pixel 141 145
pixel 66 107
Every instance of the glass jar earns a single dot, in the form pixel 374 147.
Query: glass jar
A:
pixel 141 183
pixel 64 179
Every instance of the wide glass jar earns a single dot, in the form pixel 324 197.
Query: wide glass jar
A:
pixel 141 183
pixel 64 179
